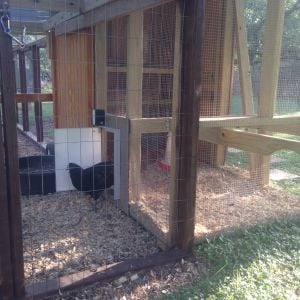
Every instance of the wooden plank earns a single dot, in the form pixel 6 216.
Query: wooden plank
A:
pixel 245 73
pixel 8 85
pixel 122 124
pixel 38 109
pixel 23 87
pixel 53 5
pixel 159 125
pixel 101 77
pixel 105 273
pixel 289 129
pixel 248 141
pixel 6 271
pixel 58 18
pixel 172 123
pixel 134 95
pixel 105 13
pixel 73 85
pixel 182 210
pixel 250 121
pixel 33 97
pixel 92 4
pixel 226 74
pixel 270 73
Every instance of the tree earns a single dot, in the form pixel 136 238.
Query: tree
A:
pixel 255 12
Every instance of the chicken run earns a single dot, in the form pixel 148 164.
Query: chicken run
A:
pixel 131 150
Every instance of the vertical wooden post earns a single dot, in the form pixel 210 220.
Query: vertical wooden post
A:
pixel 225 82
pixel 270 73
pixel 182 210
pixel 23 86
pixel 6 271
pixel 8 87
pixel 38 111
pixel 101 77
pixel 134 96
pixel 245 74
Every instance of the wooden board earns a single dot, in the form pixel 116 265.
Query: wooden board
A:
pixel 247 141
pixel 8 110
pixel 270 73
pixel 36 97
pixel 73 80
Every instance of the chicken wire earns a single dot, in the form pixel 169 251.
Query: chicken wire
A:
pixel 63 235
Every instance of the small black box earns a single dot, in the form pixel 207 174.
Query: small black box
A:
pixel 99 117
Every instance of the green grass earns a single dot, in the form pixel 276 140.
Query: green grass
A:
pixel 259 263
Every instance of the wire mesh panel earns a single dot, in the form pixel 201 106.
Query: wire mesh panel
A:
pixel 232 196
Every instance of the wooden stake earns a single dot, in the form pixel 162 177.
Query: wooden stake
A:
pixel 182 212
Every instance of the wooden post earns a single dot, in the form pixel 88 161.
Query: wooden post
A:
pixel 245 74
pixel 38 109
pixel 6 277
pixel 224 87
pixel 270 73
pixel 101 77
pixel 134 97
pixel 23 86
pixel 8 85
pixel 182 210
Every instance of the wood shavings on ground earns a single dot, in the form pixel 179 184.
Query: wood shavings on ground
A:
pixel 63 235
pixel 27 147
pixel 226 199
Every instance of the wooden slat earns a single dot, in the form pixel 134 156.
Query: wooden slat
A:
pixel 73 84
pixel 245 73
pixel 134 96
pixel 224 88
pixel 8 86
pixel 101 77
pixel 33 97
pixel 182 210
pixel 270 73
pixel 247 141
pixel 104 13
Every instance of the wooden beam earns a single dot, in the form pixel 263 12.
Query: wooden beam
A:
pixel 224 91
pixel 6 269
pixel 245 73
pixel 270 73
pixel 53 5
pixel 57 19
pixel 159 125
pixel 33 28
pixel 105 13
pixel 250 121
pixel 92 4
pixel 182 210
pixel 101 274
pixel 247 141
pixel 101 77
pixel 8 91
pixel 36 97
pixel 134 97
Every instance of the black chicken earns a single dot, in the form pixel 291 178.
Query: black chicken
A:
pixel 93 180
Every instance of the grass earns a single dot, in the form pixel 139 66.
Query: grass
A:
pixel 258 263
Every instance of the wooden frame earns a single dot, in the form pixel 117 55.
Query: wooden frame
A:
pixel 12 193
pixel 34 97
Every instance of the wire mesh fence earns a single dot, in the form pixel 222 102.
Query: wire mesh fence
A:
pixel 75 217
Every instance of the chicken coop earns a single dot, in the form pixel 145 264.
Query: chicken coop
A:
pixel 137 128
